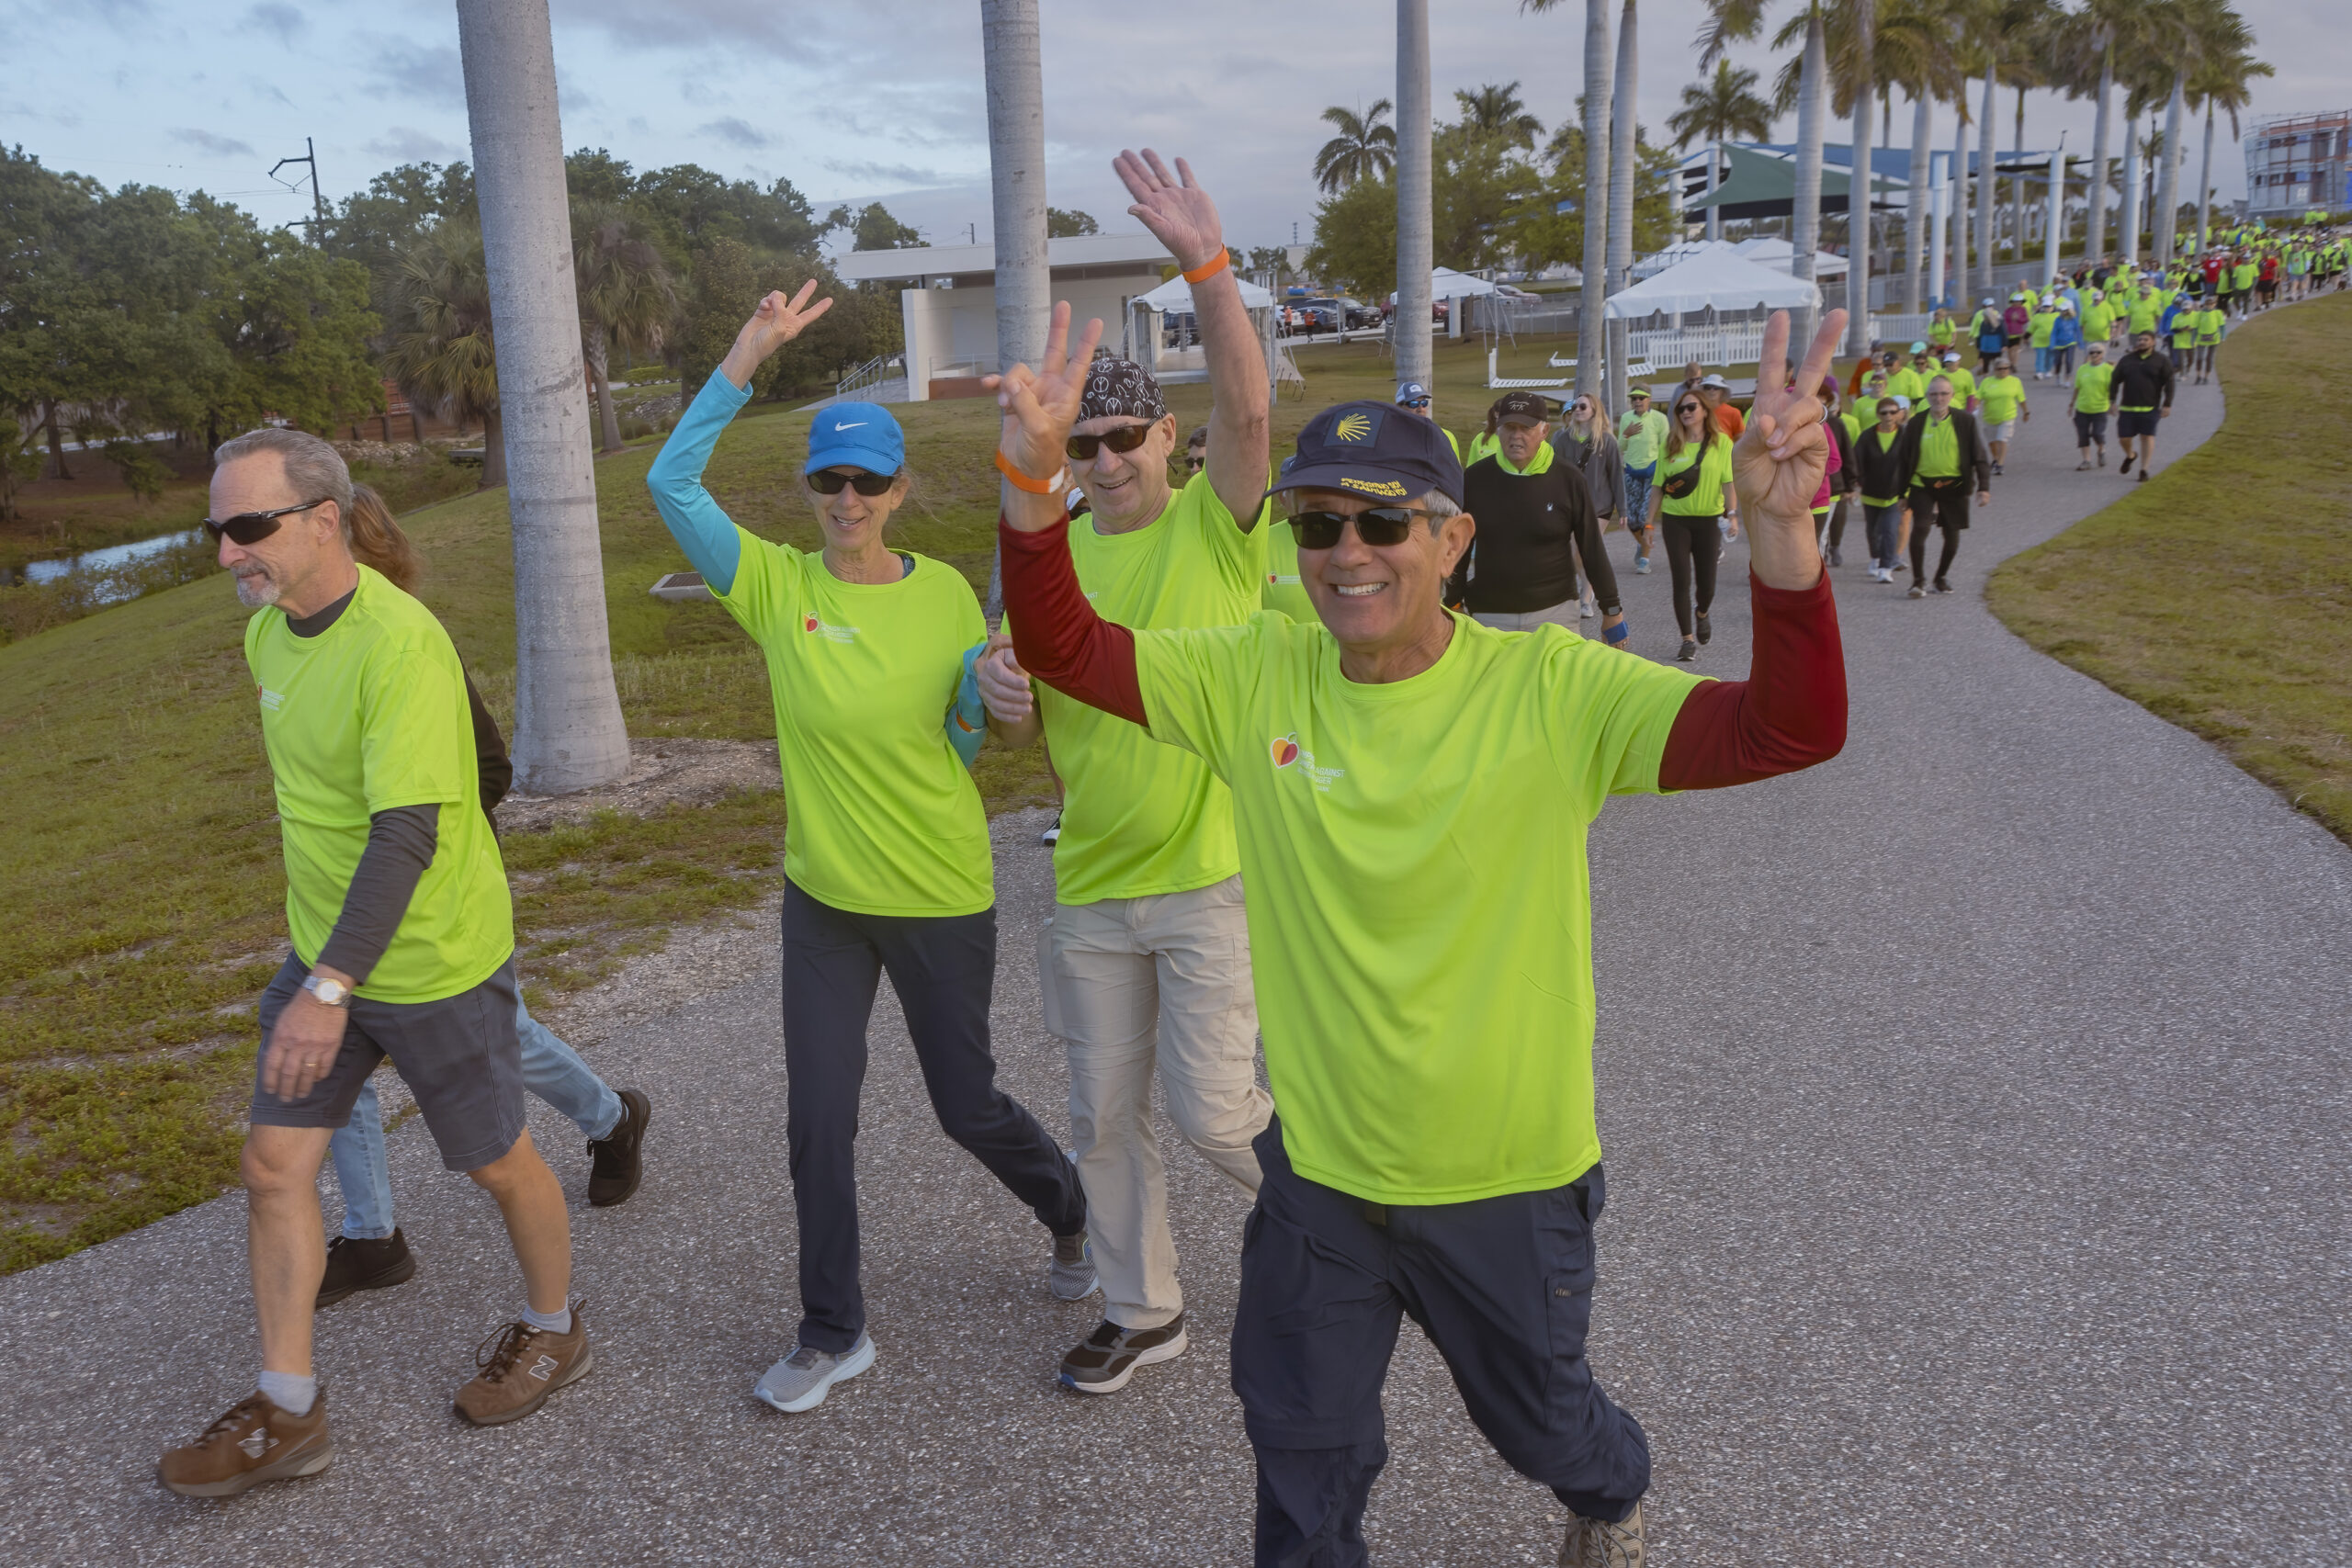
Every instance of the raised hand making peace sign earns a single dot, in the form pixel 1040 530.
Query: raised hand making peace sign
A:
pixel 1778 464
pixel 776 323
pixel 1039 407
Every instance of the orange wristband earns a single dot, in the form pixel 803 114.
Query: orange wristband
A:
pixel 1209 269
pixel 1020 481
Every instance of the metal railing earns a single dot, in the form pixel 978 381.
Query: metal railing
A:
pixel 873 373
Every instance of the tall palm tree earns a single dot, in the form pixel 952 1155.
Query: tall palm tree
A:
pixel 2223 81
pixel 1915 52
pixel 1498 112
pixel 439 347
pixel 1856 79
pixel 1016 99
pixel 1723 108
pixel 2098 31
pixel 569 734
pixel 627 299
pixel 1415 243
pixel 1590 323
pixel 1624 136
pixel 1364 149
pixel 2198 27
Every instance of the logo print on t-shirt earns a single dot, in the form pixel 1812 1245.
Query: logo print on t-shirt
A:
pixel 831 633
pixel 1285 750
pixel 809 623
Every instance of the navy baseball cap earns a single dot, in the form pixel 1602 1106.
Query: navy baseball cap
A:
pixel 1411 392
pixel 858 436
pixel 1369 449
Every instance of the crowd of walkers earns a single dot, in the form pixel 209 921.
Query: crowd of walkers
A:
pixel 1330 739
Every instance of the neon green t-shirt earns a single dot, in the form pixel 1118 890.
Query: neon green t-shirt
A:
pixel 2038 328
pixel 1481 445
pixel 2242 276
pixel 2098 322
pixel 2184 328
pixel 2003 396
pixel 370 714
pixel 1419 908
pixel 2091 388
pixel 1907 382
pixel 1938 450
pixel 1140 819
pixel 2142 312
pixel 1940 333
pixel 1715 473
pixel 1640 437
pixel 2209 323
pixel 1963 383
pixel 881 817
pixel 1282 592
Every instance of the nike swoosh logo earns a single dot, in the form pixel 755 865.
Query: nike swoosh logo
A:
pixel 858 425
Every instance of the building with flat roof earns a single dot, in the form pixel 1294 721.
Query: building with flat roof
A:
pixel 948 307
pixel 2294 162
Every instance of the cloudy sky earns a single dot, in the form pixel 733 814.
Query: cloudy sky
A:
pixel 881 99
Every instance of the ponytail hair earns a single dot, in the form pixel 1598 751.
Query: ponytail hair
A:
pixel 376 539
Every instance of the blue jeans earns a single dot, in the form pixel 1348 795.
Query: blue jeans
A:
pixel 2041 362
pixel 551 1069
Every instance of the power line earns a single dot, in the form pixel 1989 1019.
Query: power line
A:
pixel 317 222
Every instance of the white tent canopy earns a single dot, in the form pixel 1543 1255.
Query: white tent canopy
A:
pixel 1679 251
pixel 1447 284
pixel 1780 256
pixel 1175 297
pixel 1718 280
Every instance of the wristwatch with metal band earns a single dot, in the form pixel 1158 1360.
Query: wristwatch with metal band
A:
pixel 332 993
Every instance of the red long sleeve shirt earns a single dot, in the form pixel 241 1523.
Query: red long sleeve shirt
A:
pixel 1789 714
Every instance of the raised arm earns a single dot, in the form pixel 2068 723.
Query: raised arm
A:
pixel 1791 711
pixel 700 526
pixel 1181 216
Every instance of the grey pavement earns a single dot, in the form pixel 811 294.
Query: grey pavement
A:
pixel 1975 1106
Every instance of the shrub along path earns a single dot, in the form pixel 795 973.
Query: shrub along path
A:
pixel 1975 1107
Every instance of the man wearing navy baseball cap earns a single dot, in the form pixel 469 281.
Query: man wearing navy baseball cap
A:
pixel 1411 792
pixel 1414 398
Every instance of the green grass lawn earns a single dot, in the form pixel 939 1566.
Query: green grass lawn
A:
pixel 147 893
pixel 2219 595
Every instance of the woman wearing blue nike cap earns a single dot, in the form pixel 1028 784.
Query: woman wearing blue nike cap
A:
pixel 887 860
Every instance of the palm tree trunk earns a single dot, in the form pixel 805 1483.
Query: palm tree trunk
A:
pixel 1858 196
pixel 608 418
pixel 1987 182
pixel 2095 219
pixel 2016 181
pixel 568 733
pixel 56 442
pixel 2128 241
pixel 2168 176
pixel 1804 225
pixel 2205 185
pixel 1714 171
pixel 494 451
pixel 1915 216
pixel 1956 280
pixel 1591 322
pixel 1016 99
pixel 1624 134
pixel 1415 245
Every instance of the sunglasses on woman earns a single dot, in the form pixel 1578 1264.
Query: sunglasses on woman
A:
pixel 1126 438
pixel 1374 525
pixel 1687 408
pixel 1195 462
pixel 253 528
pixel 825 482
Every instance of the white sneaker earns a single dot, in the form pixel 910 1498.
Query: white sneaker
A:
pixel 1586 609
pixel 801 1380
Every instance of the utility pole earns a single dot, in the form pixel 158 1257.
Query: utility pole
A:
pixel 317 222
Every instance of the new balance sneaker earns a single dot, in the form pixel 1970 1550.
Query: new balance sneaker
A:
pixel 1073 1278
pixel 521 1366
pixel 1597 1543
pixel 801 1380
pixel 1111 1355
pixel 255 1442
pixel 618 1156
pixel 355 1263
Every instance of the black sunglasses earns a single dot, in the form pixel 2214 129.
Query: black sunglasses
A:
pixel 1416 403
pixel 1195 461
pixel 1126 438
pixel 1374 525
pixel 1687 408
pixel 253 528
pixel 825 482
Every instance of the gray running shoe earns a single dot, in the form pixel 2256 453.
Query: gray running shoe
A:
pixel 801 1380
pixel 1073 1277
pixel 1111 1355
pixel 1641 566
pixel 1597 1543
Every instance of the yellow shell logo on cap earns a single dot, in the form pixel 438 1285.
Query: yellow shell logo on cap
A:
pixel 1351 427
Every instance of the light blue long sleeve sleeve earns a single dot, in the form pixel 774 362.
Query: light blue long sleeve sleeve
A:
pixel 700 526
pixel 967 716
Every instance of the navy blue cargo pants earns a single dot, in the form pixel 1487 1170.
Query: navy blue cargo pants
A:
pixel 1503 1287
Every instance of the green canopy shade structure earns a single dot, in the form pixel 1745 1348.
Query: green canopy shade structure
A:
pixel 1762 185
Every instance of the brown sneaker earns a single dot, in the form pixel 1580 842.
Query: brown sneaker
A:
pixel 255 1442
pixel 1597 1543
pixel 520 1367
pixel 1110 1355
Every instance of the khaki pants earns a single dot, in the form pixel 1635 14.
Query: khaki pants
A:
pixel 1132 986
pixel 1565 613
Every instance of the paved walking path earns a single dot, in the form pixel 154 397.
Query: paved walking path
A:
pixel 1975 1107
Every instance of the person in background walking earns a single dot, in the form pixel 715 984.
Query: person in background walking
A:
pixel 2065 337
pixel 1877 485
pixel 1414 398
pixel 1726 413
pixel 2093 397
pixel 2211 320
pixel 1690 500
pixel 1987 330
pixel 1521 572
pixel 1941 459
pixel 2002 395
pixel 1641 436
pixel 887 860
pixel 1840 477
pixel 2143 386
pixel 1585 440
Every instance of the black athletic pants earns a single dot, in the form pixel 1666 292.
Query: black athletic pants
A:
pixel 1503 1287
pixel 1947 510
pixel 943 969
pixel 1692 545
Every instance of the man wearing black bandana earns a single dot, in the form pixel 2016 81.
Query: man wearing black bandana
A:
pixel 1145 965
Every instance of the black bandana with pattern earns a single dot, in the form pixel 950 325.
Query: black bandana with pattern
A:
pixel 1119 388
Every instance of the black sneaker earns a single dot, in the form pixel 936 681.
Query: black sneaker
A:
pixel 1111 1355
pixel 1834 558
pixel 2127 463
pixel 619 1156
pixel 372 1264
pixel 1688 652
pixel 1706 632
pixel 1943 586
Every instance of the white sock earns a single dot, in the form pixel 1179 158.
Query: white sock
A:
pixel 292 1395
pixel 550 1322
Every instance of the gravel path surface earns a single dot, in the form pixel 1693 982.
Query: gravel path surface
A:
pixel 1975 1106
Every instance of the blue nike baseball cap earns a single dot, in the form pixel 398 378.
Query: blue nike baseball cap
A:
pixel 858 436
pixel 1371 449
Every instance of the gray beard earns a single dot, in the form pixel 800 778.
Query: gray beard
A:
pixel 257 590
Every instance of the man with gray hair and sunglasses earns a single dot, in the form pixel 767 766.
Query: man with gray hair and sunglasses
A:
pixel 1145 965
pixel 404 942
